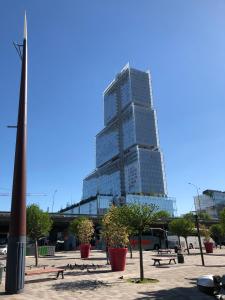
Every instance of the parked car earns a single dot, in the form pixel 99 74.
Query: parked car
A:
pixel 3 249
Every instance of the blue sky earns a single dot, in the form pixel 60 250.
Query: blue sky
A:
pixel 75 49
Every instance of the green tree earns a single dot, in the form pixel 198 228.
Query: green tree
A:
pixel 182 227
pixel 138 218
pixel 85 231
pixel 222 219
pixel 205 232
pixel 120 215
pixel 73 226
pixel 189 216
pixel 114 230
pixel 217 233
pixel 204 216
pixel 83 228
pixel 39 224
pixel 162 214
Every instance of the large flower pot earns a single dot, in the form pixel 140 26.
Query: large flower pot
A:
pixel 208 247
pixel 118 258
pixel 85 250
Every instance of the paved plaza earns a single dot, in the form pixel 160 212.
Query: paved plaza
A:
pixel 176 281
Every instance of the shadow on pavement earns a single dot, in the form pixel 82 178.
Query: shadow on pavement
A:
pixel 39 280
pixel 96 258
pixel 179 293
pixel 162 266
pixel 211 266
pixel 213 254
pixel 56 257
pixel 99 271
pixel 215 266
pixel 78 272
pixel 80 285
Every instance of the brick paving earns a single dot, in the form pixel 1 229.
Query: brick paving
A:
pixel 176 281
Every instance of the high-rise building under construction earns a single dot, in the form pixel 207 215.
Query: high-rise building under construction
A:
pixel 128 156
pixel 129 163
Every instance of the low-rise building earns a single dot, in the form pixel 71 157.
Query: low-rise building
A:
pixel 211 202
pixel 99 204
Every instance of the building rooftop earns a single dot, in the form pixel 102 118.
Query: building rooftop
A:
pixel 209 192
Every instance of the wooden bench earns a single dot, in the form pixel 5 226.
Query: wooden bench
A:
pixel 162 251
pixel 45 270
pixel 159 259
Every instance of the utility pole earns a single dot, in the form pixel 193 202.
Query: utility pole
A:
pixel 15 264
pixel 199 239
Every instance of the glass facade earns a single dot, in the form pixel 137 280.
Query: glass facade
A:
pixel 90 186
pixel 149 168
pixel 140 87
pixel 102 203
pixel 104 180
pixel 128 156
pixel 210 201
pixel 110 107
pixel 109 183
pixel 89 208
pixel 106 145
pixel 161 203
pixel 97 206
pixel 74 210
pixel 128 129
pixel 145 127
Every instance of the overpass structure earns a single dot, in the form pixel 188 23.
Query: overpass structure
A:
pixel 61 223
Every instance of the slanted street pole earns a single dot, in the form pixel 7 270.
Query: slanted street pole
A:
pixel 197 223
pixel 199 239
pixel 17 231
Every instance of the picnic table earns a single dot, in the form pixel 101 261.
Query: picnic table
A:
pixel 40 271
pixel 160 259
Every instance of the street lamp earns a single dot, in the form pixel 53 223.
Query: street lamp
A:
pixel 197 189
pixel 199 238
pixel 15 264
pixel 53 199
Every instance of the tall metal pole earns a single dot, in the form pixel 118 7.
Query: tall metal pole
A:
pixel 199 239
pixel 17 231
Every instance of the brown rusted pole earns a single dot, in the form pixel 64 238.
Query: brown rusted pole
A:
pixel 199 239
pixel 17 231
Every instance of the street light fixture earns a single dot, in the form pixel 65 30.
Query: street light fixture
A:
pixel 197 189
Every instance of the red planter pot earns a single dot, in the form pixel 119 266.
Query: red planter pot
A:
pixel 118 258
pixel 85 250
pixel 208 247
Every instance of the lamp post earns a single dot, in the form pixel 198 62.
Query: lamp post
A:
pixel 197 189
pixel 197 223
pixel 53 199
pixel 199 238
pixel 15 265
